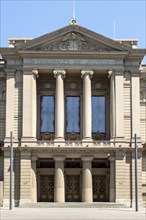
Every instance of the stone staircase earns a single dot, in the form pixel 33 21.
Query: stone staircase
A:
pixel 72 205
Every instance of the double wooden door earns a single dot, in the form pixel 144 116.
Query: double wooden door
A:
pixel 47 188
pixel 99 188
pixel 72 188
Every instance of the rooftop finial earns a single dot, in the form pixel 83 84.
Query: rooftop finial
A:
pixel 73 22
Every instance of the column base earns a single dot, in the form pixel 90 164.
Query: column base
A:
pixel 1 193
pixel 28 141
pixel 59 139
pixel 88 139
pixel 16 142
pixel 125 202
pixel 59 196
pixel 24 201
pixel 6 203
pixel 112 195
pixel 87 195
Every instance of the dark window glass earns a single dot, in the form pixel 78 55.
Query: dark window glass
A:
pixel 47 114
pixel 98 114
pixel 76 164
pixel 73 114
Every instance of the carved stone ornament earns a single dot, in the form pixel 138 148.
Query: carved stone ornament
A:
pixel 73 41
pixel 73 85
pixel 73 22
pixel 35 73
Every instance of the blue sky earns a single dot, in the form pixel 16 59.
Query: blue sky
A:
pixel 35 18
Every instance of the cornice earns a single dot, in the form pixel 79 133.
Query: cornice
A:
pixel 91 34
pixel 73 54
pixel 44 37
pixel 9 53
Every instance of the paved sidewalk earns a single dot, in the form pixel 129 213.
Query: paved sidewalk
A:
pixel 72 214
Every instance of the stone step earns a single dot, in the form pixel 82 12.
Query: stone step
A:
pixel 72 205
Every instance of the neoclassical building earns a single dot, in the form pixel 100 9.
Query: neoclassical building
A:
pixel 74 100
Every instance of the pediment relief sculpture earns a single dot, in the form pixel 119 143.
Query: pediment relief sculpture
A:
pixel 74 41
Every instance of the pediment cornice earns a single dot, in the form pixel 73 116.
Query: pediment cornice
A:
pixel 84 38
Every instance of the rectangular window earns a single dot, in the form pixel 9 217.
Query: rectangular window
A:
pixel 47 114
pixel 98 114
pixel 73 114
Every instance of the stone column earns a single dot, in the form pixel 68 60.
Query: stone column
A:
pixel 112 104
pixel 59 104
pixel 116 104
pixel 120 174
pixel 135 102
pixel 112 179
pixel 59 189
pixel 18 105
pixel 119 104
pixel 29 105
pixel 87 105
pixel 10 92
pixel 34 179
pixel 25 177
pixel 87 191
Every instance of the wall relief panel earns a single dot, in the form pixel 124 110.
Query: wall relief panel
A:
pixel 74 41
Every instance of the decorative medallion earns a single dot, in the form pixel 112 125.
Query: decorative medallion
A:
pixel 98 85
pixel 47 85
pixel 73 85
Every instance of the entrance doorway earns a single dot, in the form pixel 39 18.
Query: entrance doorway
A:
pixel 47 188
pixel 72 188
pixel 99 188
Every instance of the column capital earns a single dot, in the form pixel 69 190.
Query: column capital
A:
pixel 59 158
pixel 110 73
pixel 59 72
pixel 10 73
pixel 25 154
pixel 35 73
pixel 87 158
pixel 112 159
pixel 119 71
pixel 34 158
pixel 87 72
pixel 2 74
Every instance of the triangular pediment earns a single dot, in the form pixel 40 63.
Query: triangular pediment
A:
pixel 73 38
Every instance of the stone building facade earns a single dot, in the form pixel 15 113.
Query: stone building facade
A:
pixel 74 100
